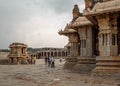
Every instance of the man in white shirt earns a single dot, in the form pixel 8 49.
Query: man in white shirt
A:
pixel 52 62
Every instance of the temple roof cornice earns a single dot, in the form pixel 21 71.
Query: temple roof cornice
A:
pixel 80 22
pixel 17 45
pixel 67 31
pixel 104 7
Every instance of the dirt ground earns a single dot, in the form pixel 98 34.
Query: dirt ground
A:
pixel 42 75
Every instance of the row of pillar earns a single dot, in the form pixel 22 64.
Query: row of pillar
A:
pixel 56 54
pixel 104 39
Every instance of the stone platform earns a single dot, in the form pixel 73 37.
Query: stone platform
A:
pixel 107 66
pixel 85 65
pixel 70 63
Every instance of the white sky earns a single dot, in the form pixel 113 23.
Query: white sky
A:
pixel 35 22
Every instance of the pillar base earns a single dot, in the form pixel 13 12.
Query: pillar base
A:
pixel 107 66
pixel 70 63
pixel 85 65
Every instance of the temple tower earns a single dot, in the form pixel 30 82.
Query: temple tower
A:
pixel 75 12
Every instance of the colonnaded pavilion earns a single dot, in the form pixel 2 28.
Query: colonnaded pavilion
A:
pixel 94 38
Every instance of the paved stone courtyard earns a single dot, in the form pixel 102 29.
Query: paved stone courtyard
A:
pixel 41 75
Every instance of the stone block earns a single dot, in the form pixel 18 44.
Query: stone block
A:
pixel 85 65
pixel 107 66
pixel 70 63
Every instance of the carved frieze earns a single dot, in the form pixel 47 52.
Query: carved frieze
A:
pixel 103 22
pixel 73 37
pixel 107 23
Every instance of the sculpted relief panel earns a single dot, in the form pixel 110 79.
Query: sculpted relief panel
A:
pixel 103 22
pixel 107 22
pixel 73 38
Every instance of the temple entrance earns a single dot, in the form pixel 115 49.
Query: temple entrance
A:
pixel 118 26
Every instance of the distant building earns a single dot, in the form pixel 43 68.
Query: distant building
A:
pixel 56 52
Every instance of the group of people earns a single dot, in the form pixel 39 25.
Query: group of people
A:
pixel 32 60
pixel 50 61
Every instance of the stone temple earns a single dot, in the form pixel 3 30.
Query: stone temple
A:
pixel 18 53
pixel 94 39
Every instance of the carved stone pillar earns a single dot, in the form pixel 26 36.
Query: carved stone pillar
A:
pixel 86 60
pixel 74 49
pixel 72 59
pixel 108 63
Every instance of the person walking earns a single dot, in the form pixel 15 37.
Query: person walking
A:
pixel 34 59
pixel 60 59
pixel 49 61
pixel 52 62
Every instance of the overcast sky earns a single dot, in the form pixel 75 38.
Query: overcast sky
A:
pixel 35 22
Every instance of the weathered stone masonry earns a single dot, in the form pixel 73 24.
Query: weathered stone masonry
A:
pixel 98 36
pixel 18 54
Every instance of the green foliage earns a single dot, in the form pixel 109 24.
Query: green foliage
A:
pixel 31 50
pixel 4 50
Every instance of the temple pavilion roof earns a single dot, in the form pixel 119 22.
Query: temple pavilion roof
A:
pixel 17 45
pixel 67 30
pixel 68 45
pixel 80 21
pixel 104 7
